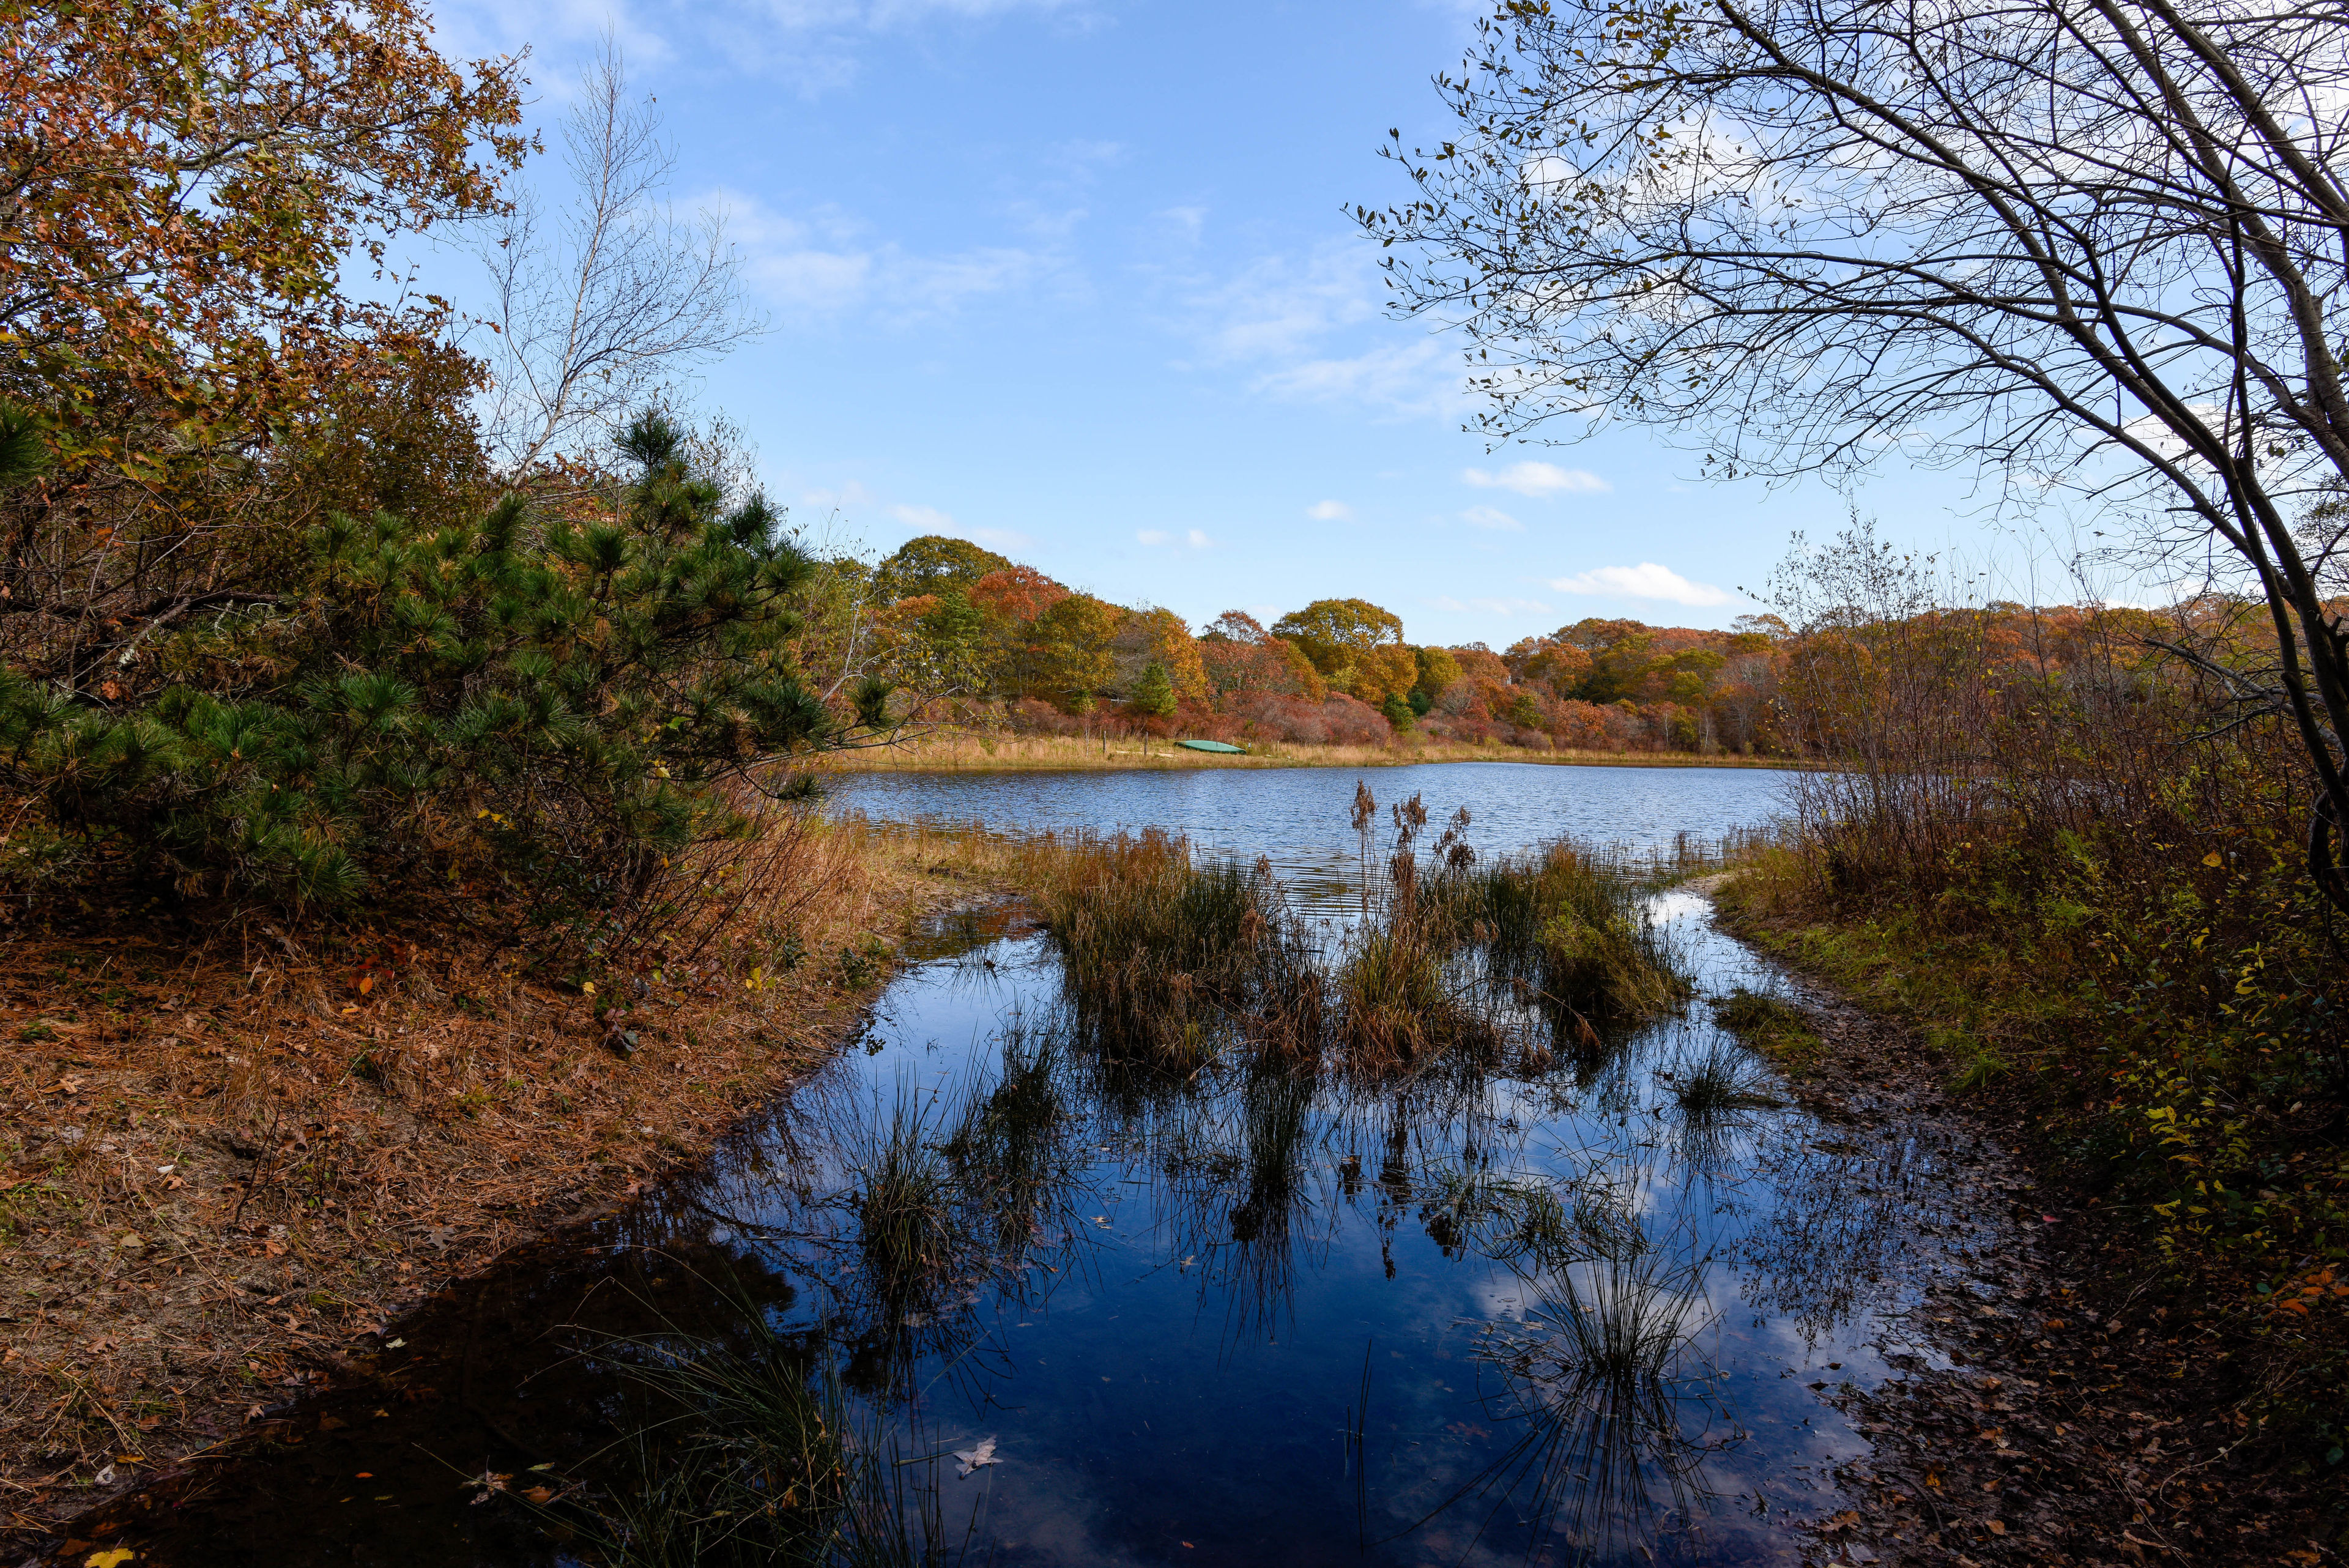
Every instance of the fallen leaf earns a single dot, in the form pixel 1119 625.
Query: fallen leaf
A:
pixel 539 1494
pixel 1995 1526
pixel 113 1558
pixel 972 1459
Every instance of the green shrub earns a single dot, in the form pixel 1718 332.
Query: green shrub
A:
pixel 558 700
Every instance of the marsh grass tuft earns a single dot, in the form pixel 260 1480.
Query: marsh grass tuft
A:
pixel 904 1197
pixel 1010 1148
pixel 1167 955
pixel 740 1448
pixel 1718 1077
pixel 1573 924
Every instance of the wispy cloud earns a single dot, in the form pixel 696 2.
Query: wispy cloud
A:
pixel 1537 479
pixel 1191 537
pixel 1313 326
pixel 1280 305
pixel 1403 377
pixel 1491 517
pixel 930 520
pixel 825 263
pixel 828 498
pixel 1645 581
pixel 1330 512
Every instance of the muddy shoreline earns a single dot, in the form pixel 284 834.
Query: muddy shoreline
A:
pixel 229 1170
pixel 2080 1415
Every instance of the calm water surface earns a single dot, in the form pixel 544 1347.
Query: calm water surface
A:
pixel 1297 817
pixel 1238 1318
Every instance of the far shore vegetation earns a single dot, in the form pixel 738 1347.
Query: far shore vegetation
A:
pixel 960 750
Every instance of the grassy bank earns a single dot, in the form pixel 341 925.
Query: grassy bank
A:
pixel 972 751
pixel 232 1155
pixel 2149 1016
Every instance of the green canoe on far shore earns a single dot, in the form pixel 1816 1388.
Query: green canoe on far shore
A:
pixel 1213 746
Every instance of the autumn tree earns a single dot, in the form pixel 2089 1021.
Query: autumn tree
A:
pixel 932 562
pixel 1159 637
pixel 1238 655
pixel 182 186
pixel 1009 601
pixel 1355 645
pixel 180 191
pixel 1069 651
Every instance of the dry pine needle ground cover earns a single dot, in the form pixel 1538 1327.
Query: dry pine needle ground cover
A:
pixel 229 1161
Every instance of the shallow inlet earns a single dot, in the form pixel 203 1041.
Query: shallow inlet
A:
pixel 1237 1317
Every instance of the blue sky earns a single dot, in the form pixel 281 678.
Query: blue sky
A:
pixel 1074 278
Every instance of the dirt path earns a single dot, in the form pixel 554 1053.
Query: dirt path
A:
pixel 2057 1408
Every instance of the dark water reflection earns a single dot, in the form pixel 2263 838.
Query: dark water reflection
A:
pixel 1243 1317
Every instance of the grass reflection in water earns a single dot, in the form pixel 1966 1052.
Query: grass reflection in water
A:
pixel 1149 1105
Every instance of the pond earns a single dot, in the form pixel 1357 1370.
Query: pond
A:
pixel 1542 1314
pixel 1296 817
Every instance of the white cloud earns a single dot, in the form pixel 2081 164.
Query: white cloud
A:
pixel 996 538
pixel 1538 479
pixel 1330 512
pixel 1186 223
pixel 825 263
pixel 1402 377
pixel 1491 517
pixel 1645 581
pixel 1278 307
pixel 1152 536
pixel 1196 540
pixel 849 495
pixel 930 520
pixel 1157 537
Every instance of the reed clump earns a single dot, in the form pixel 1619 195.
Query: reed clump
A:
pixel 1169 954
pixel 1573 925
pixel 1717 1078
pixel 1170 959
pixel 742 1448
pixel 903 1196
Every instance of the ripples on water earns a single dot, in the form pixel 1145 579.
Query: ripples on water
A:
pixel 1238 1318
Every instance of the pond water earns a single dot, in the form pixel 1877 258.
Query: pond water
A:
pixel 1475 1316
pixel 1296 817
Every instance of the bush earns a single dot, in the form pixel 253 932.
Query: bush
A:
pixel 558 701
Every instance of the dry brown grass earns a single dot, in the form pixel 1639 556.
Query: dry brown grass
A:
pixel 973 750
pixel 229 1159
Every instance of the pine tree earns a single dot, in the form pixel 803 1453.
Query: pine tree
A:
pixel 559 703
pixel 1153 693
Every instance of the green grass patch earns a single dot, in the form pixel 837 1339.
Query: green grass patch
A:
pixel 1770 1024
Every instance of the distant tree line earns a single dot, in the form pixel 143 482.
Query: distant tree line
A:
pixel 957 631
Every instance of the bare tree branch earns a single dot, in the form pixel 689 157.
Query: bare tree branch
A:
pixel 596 311
pixel 2089 246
